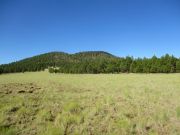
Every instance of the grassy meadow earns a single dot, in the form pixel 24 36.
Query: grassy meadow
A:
pixel 89 104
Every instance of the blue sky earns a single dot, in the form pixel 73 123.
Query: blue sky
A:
pixel 122 27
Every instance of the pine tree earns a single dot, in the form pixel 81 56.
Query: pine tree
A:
pixel 178 66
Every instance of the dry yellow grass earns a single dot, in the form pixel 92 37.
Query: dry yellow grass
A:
pixel 107 104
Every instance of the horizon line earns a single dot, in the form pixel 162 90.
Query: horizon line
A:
pixel 70 53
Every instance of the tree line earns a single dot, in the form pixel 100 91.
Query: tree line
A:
pixel 93 63
pixel 165 64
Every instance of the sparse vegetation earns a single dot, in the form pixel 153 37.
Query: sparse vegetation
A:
pixel 64 104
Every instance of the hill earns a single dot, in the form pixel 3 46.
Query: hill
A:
pixel 93 62
pixel 93 55
pixel 53 59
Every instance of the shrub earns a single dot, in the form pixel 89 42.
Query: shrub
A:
pixel 51 70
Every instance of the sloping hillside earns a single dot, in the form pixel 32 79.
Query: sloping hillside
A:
pixel 93 62
pixel 43 61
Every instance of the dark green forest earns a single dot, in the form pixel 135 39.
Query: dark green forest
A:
pixel 93 62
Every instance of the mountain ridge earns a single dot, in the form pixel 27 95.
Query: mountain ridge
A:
pixel 53 59
pixel 60 53
pixel 93 62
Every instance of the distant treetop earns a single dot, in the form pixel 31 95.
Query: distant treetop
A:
pixel 93 62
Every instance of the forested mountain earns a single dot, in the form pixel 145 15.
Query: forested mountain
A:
pixel 36 63
pixel 93 62
pixel 53 59
pixel 93 55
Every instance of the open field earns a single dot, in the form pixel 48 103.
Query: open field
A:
pixel 111 104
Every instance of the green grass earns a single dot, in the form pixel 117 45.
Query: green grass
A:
pixel 104 104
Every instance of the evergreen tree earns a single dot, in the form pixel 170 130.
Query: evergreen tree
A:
pixel 178 66
pixel 93 62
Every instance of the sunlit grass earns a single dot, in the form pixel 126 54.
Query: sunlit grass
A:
pixel 55 104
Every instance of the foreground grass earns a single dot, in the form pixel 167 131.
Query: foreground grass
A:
pixel 111 104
